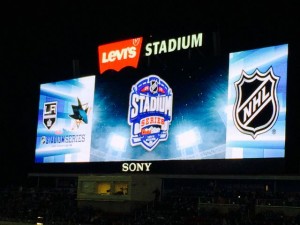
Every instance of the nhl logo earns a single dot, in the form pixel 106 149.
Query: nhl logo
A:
pixel 153 86
pixel 256 106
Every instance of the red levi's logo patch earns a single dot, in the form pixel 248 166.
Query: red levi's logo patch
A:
pixel 120 54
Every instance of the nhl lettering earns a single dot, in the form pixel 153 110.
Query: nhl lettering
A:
pixel 150 112
pixel 256 106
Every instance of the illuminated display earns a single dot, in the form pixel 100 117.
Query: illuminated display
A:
pixel 65 121
pixel 257 103
pixel 180 107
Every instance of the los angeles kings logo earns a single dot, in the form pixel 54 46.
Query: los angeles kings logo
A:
pixel 256 106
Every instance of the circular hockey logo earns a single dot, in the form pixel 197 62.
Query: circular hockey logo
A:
pixel 150 112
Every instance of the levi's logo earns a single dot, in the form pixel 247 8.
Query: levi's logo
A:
pixel 120 54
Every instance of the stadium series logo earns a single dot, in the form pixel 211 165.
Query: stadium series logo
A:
pixel 150 112
pixel 256 106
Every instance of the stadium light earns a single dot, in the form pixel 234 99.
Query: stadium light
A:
pixel 188 139
pixel 117 142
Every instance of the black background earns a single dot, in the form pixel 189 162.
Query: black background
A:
pixel 40 43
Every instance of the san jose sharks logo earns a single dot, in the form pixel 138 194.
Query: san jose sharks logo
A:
pixel 256 106
pixel 49 114
pixel 80 113
pixel 150 112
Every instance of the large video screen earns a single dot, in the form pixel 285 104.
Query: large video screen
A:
pixel 256 117
pixel 65 121
pixel 171 104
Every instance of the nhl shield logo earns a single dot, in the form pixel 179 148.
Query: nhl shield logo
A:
pixel 49 114
pixel 256 106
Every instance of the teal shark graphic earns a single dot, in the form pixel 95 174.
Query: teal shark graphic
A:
pixel 79 113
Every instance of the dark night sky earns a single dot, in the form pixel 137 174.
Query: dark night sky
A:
pixel 39 43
